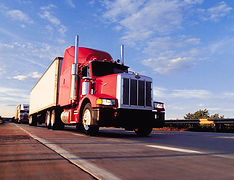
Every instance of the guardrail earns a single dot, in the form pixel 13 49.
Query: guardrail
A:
pixel 217 123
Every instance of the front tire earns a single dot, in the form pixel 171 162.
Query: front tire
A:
pixel 143 131
pixel 87 119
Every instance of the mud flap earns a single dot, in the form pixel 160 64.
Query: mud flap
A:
pixel 95 119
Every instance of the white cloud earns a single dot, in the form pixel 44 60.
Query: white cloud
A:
pixel 32 52
pixel 167 43
pixel 228 95
pixel 159 92
pixel 171 54
pixel 70 3
pixel 13 94
pixel 200 94
pixel 149 25
pixel 18 15
pixel 52 19
pixel 19 77
pixel 46 13
pixel 141 19
pixel 193 1
pixel 165 65
pixel 182 93
pixel 22 25
pixel 215 13
pixel 34 75
pixel 222 46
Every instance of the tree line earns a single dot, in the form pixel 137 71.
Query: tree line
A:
pixel 202 114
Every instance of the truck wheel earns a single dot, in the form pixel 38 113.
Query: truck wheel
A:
pixel 32 121
pixel 55 122
pixel 143 131
pixel 86 119
pixel 47 119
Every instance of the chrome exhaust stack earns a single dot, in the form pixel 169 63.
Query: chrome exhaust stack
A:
pixel 74 72
pixel 122 54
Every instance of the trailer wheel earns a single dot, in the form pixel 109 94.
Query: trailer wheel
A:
pixel 32 121
pixel 55 122
pixel 86 119
pixel 47 120
pixel 143 131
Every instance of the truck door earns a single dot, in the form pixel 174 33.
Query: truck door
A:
pixel 85 80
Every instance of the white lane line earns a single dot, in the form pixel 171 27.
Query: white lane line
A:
pixel 82 135
pixel 88 167
pixel 175 149
pixel 192 151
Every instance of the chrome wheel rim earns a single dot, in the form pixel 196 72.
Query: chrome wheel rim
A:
pixel 86 119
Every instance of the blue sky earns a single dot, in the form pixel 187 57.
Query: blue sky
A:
pixel 186 46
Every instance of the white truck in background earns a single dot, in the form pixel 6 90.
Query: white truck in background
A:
pixel 21 113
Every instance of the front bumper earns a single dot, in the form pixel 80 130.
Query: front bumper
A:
pixel 128 118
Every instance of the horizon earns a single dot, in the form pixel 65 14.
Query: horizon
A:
pixel 185 46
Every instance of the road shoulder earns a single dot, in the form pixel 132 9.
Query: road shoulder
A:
pixel 22 157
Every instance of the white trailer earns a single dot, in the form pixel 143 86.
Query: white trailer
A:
pixel 21 113
pixel 45 93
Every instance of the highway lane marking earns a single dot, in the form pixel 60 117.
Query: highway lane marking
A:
pixel 192 151
pixel 86 166
pixel 82 135
pixel 175 149
pixel 225 137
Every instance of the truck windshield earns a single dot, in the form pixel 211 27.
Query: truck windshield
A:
pixel 101 68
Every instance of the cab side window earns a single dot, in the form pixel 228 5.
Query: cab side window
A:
pixel 85 72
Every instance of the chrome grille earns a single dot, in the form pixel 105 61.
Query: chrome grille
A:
pixel 136 92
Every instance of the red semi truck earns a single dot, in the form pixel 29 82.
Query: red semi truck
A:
pixel 87 88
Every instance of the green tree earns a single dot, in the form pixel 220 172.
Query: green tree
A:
pixel 216 116
pixel 202 114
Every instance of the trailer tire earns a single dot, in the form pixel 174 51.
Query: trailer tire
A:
pixel 87 116
pixel 55 122
pixel 48 119
pixel 32 121
pixel 143 131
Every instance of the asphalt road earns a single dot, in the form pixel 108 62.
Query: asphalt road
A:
pixel 38 153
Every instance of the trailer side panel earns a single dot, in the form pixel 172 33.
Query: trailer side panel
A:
pixel 45 93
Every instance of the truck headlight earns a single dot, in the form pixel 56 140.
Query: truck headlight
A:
pixel 106 102
pixel 159 106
